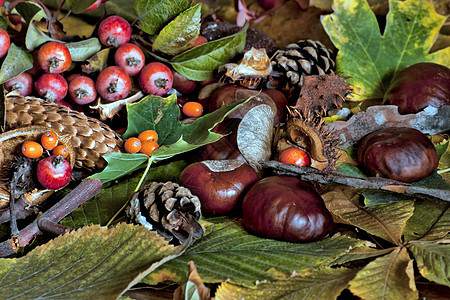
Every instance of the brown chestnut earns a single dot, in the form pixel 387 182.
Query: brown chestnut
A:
pixel 286 208
pixel 399 153
pixel 418 86
pixel 219 184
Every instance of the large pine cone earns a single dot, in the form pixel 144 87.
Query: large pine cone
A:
pixel 168 208
pixel 90 137
pixel 306 57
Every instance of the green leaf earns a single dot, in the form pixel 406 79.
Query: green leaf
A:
pixel 120 164
pixel 387 277
pixel 432 259
pixel 180 34
pixel 82 50
pixel 35 37
pixel 155 113
pixel 229 252
pixel 28 10
pixel 371 59
pixel 199 63
pixel 155 14
pixel 3 23
pixel 91 263
pixel 430 221
pixel 359 254
pixel 323 284
pixel 16 62
pixel 79 6
pixel 350 170
pixel 103 207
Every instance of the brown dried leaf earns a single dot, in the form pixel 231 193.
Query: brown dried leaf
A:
pixel 193 288
pixel 97 62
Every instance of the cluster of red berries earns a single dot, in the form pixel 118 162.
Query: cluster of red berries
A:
pixel 146 142
pixel 54 171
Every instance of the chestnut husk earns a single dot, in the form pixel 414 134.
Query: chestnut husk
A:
pixel 398 153
pixel 286 208
pixel 418 86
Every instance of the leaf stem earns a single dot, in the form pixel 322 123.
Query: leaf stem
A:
pixel 443 171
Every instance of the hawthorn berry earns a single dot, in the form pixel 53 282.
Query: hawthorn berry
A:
pixel 54 57
pixel 53 172
pixel 113 83
pixel 148 135
pixel 192 109
pixel 52 87
pixel 130 58
pixel 49 140
pixel 82 90
pixel 148 147
pixel 22 83
pixel 32 149
pixel 5 43
pixel 200 40
pixel 61 150
pixel 132 145
pixel 114 31
pixel 294 156
pixel 156 79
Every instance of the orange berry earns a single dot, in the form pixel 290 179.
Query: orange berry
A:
pixel 32 149
pixel 294 156
pixel 61 150
pixel 49 140
pixel 148 135
pixel 192 109
pixel 132 145
pixel 148 147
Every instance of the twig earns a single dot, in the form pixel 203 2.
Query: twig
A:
pixel 376 183
pixel 87 189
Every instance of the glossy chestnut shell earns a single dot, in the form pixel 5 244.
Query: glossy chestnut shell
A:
pixel 400 153
pixel 286 208
pixel 419 86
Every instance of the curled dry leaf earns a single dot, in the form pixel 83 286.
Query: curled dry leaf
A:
pixel 429 121
pixel 254 136
pixel 110 109
pixel 193 288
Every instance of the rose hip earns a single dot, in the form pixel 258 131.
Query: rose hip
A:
pixel 130 58
pixel 22 83
pixel 54 57
pixel 114 31
pixel 156 79
pixel 53 172
pixel 52 87
pixel 113 83
pixel 82 90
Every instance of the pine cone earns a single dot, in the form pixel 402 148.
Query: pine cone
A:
pixel 90 137
pixel 168 208
pixel 306 57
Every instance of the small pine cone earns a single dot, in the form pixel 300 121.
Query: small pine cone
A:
pixel 168 208
pixel 306 57
pixel 90 137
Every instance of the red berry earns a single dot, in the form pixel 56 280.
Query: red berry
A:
pixel 52 87
pixel 72 77
pixel 22 83
pixel 156 79
pixel 53 172
pixel 130 58
pixel 113 83
pixel 5 43
pixel 132 145
pixel 32 149
pixel 94 5
pixel 200 40
pixel 82 90
pixel 114 31
pixel 49 140
pixel 192 109
pixel 294 156
pixel 54 57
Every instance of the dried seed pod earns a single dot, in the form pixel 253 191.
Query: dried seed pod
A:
pixel 168 208
pixel 11 160
pixel 89 137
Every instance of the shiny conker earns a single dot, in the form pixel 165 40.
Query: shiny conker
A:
pixel 219 184
pixel 418 86
pixel 399 153
pixel 286 208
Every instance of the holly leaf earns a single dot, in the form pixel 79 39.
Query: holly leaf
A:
pixel 82 50
pixel 180 34
pixel 387 277
pixel 155 14
pixel 16 62
pixel 370 58
pixel 229 252
pixel 199 63
pixel 432 259
pixel 91 263
pixel 322 284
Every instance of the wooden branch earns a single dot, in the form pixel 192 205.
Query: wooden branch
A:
pixel 375 183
